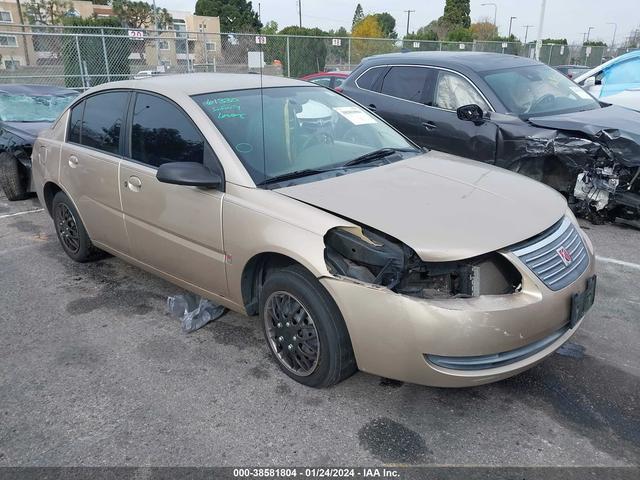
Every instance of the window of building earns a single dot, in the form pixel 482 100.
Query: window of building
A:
pixel 8 41
pixel 5 17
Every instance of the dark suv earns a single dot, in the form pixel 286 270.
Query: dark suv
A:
pixel 513 112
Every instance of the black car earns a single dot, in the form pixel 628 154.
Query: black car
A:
pixel 25 110
pixel 513 112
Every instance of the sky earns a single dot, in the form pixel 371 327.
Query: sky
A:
pixel 564 18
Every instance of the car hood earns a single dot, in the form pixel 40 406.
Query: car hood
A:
pixel 27 130
pixel 615 128
pixel 442 206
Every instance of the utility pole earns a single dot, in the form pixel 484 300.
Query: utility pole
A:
pixel 24 37
pixel 300 12
pixel 511 19
pixel 615 30
pixel 589 32
pixel 526 32
pixel 409 12
pixel 543 7
pixel 155 23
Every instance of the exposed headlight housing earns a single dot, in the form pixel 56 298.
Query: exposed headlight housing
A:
pixel 375 258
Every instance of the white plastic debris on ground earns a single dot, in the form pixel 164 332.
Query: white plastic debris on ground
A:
pixel 193 311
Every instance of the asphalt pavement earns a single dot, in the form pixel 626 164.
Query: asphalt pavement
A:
pixel 93 372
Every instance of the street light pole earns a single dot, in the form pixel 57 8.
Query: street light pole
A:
pixel 526 32
pixel 300 12
pixel 511 19
pixel 615 30
pixel 589 32
pixel 543 7
pixel 495 11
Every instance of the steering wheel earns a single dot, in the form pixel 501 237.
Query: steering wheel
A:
pixel 540 101
pixel 353 134
pixel 320 137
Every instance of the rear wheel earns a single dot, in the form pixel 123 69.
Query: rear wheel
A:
pixel 305 329
pixel 14 177
pixel 70 230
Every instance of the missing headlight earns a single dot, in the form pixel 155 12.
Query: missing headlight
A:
pixel 375 258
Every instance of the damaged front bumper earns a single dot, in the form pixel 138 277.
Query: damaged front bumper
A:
pixel 419 340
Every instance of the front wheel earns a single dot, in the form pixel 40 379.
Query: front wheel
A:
pixel 14 177
pixel 305 329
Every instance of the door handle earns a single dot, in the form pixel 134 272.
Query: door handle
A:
pixel 134 183
pixel 372 107
pixel 73 161
pixel 429 125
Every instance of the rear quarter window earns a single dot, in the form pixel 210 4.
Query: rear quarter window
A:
pixel 370 78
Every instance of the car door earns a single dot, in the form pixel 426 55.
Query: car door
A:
pixel 175 229
pixel 445 131
pixel 90 158
pixel 401 101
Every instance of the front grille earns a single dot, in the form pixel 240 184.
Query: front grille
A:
pixel 482 362
pixel 544 255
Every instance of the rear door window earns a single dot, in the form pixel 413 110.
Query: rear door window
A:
pixel 408 83
pixel 75 123
pixel 324 81
pixel 101 121
pixel 161 133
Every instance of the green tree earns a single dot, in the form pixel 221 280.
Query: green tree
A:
pixel 457 13
pixel 460 34
pixel 358 15
pixel 594 43
pixel 138 14
pixel 307 55
pixel 387 24
pixel 557 41
pixel 46 12
pixel 235 15
pixel 92 52
pixel 423 33
pixel 484 30
pixel 270 28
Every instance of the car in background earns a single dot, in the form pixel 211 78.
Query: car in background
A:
pixel 331 80
pixel 356 248
pixel 571 71
pixel 25 110
pixel 616 81
pixel 515 113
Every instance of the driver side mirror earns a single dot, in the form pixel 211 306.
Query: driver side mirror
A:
pixel 188 173
pixel 471 113
pixel 589 82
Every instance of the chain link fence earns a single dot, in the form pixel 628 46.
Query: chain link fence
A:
pixel 80 57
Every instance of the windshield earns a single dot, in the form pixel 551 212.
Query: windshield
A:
pixel 538 90
pixel 305 129
pixel 33 108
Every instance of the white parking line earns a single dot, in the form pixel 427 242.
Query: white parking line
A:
pixel 618 262
pixel 21 213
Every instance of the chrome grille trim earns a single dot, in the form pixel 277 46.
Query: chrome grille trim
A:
pixel 482 362
pixel 542 257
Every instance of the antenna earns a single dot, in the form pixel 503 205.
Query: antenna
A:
pixel 264 152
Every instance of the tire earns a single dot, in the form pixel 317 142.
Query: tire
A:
pixel 286 325
pixel 14 177
pixel 71 231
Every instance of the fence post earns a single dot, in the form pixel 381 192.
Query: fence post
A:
pixel 206 53
pixel 106 58
pixel 188 56
pixel 288 59
pixel 349 54
pixel 79 62
pixel 550 52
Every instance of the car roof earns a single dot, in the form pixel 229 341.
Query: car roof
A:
pixel 622 58
pixel 476 61
pixel 197 83
pixel 26 89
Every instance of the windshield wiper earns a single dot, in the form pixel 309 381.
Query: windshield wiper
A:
pixel 292 175
pixel 376 155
